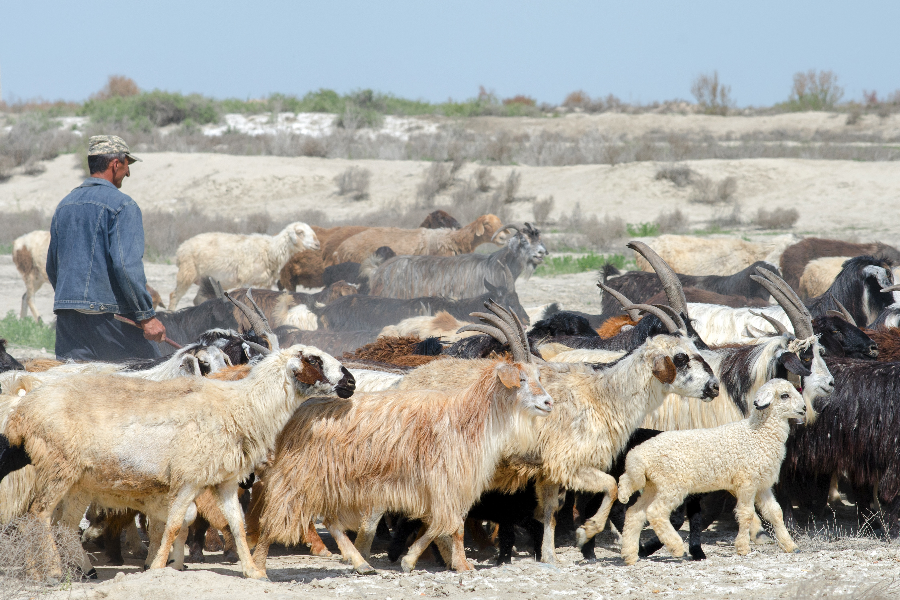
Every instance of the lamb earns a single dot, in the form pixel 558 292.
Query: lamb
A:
pixel 232 427
pixel 439 242
pixel 714 255
pixel 348 460
pixel 461 276
pixel 30 258
pixel 795 257
pixel 236 260
pixel 743 457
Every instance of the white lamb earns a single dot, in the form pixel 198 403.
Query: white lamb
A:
pixel 237 260
pixel 743 458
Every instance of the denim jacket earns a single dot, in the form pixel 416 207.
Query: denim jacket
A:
pixel 96 249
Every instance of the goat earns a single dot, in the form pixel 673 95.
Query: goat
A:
pixel 461 276
pixel 236 259
pixel 640 286
pixel 372 312
pixel 348 461
pixel 232 427
pixel 440 242
pixel 7 362
pixel 795 257
pixel 187 324
pixel 713 255
pixel 743 457
pixel 332 342
pixel 351 271
pixel 399 351
pixel 442 325
pixel 859 288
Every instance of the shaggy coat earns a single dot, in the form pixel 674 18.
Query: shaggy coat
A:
pixel 819 274
pixel 82 438
pixel 427 454
pixel 439 242
pixel 797 256
pixel 187 324
pixel 743 458
pixel 238 260
pixel 354 273
pixel 713 255
pixel 332 342
pixel 443 325
pixel 888 342
pixel 858 287
pixel 463 275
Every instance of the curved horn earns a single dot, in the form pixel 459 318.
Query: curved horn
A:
pixel 481 328
pixel 788 299
pixel 778 325
pixel 659 314
pixel 893 288
pixel 675 316
pixel 514 227
pixel 257 322
pixel 668 277
pixel 844 313
pixel 217 288
pixel 634 314
pixel 513 320
pixel 512 338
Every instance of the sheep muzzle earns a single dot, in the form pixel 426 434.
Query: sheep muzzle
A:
pixel 347 385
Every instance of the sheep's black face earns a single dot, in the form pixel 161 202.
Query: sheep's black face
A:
pixel 347 384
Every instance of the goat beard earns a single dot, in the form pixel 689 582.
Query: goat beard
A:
pixel 528 270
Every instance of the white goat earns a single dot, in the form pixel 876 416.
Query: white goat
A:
pixel 237 260
pixel 743 458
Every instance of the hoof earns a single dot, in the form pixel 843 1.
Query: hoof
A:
pixel 364 569
pixel 197 558
pixel 115 562
pixel 92 574
pixel 580 537
pixel 230 556
pixel 406 566
pixel 146 566
pixel 697 553
pixel 323 552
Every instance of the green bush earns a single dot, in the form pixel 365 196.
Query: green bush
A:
pixel 27 332
pixel 155 108
pixel 642 229
pixel 566 265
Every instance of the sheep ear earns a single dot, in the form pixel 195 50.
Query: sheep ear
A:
pixel 479 228
pixel 793 364
pixel 509 376
pixel 762 403
pixel 664 369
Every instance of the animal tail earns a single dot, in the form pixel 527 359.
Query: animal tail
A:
pixel 609 270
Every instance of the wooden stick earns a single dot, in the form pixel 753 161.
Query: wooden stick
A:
pixel 175 345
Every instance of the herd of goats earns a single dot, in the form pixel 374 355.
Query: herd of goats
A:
pixel 693 394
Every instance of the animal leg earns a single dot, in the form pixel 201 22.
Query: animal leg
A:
pixel 348 550
pixel 261 553
pixel 133 543
pixel 771 512
pixel 365 535
pixel 227 495
pixel 402 531
pixel 25 303
pixel 548 501
pixel 316 545
pixel 178 509
pixel 635 517
pixel 408 562
pixel 744 513
pixel 458 556
pixel 178 547
pixel 658 513
pixel 197 539
pixel 185 277
pixel 506 538
pixel 229 546
pixel 157 528
pixel 695 520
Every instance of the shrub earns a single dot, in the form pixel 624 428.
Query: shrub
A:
pixel 354 181
pixel 156 108
pixel 437 179
pixel 727 217
pixel 680 175
pixel 27 550
pixel 117 86
pixel 542 209
pixel 521 100
pixel 707 191
pixel 483 179
pixel 671 222
pixel 600 234
pixel 815 91
pixel 642 229
pixel 511 187
pixel 566 265
pixel 713 97
pixel 777 218
pixel 15 224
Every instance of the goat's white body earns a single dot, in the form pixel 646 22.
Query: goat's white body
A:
pixel 442 325
pixel 302 318
pixel 368 380
pixel 718 325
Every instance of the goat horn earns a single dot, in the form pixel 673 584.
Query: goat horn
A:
pixel 257 347
pixel 513 320
pixel 845 314
pixel 515 345
pixel 668 277
pixel 481 328
pixel 515 228
pixel 778 325
pixel 659 314
pixel 633 314
pixel 261 326
pixel 672 313
pixel 787 298
pixel 893 288
pixel 217 288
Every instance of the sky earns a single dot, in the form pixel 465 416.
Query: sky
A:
pixel 640 50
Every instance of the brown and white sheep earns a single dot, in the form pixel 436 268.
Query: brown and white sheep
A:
pixel 713 255
pixel 236 259
pixel 438 242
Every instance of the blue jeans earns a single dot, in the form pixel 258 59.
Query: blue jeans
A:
pixel 81 336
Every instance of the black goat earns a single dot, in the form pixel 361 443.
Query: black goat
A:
pixel 440 219
pixel 332 342
pixel 562 323
pixel 358 312
pixel 7 362
pixel 640 286
pixel 187 324
pixel 12 458
pixel 350 271
pixel 858 287
pixel 840 338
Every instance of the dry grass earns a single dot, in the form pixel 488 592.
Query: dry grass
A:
pixel 436 179
pixel 815 90
pixel 777 218
pixel 118 86
pixel 26 556
pixel 354 182
pixel 671 222
pixel 712 96
pixel 511 187
pixel 680 175
pixel 542 210
pixel 483 179
pixel 590 231
pixel 707 191
pixel 14 224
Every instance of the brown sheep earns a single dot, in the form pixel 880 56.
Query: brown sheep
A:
pixel 888 341
pixel 797 256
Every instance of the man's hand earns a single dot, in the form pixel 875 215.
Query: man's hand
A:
pixel 154 330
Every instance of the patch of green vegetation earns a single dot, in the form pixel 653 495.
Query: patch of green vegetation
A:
pixel 6 248
pixel 27 332
pixel 711 230
pixel 149 109
pixel 568 264
pixel 642 229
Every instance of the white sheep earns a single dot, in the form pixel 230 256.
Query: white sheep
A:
pixel 819 274
pixel 713 255
pixel 30 258
pixel 743 458
pixel 237 260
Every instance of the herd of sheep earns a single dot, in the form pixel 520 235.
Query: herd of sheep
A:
pixel 413 389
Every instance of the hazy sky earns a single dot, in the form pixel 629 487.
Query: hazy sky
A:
pixel 638 50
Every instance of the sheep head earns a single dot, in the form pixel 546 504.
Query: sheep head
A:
pixel 485 227
pixel 302 236
pixel 676 363
pixel 779 397
pixel 314 371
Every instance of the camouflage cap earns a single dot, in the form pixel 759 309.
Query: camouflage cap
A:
pixel 109 144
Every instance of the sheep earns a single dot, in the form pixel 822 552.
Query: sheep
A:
pixel 206 434
pixel 30 257
pixel 347 460
pixel 714 255
pixel 641 286
pixel 442 325
pixel 440 219
pixel 743 457
pixel 353 272
pixel 440 242
pixel 819 274
pixel 461 276
pixel 373 312
pixel 795 257
pixel 236 259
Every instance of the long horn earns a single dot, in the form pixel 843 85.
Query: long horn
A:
pixel 512 319
pixel 512 337
pixel 787 298
pixel 217 288
pixel 778 325
pixel 481 328
pixel 844 313
pixel 634 314
pixel 893 288
pixel 259 325
pixel 672 313
pixel 668 277
pixel 659 314
pixel 514 227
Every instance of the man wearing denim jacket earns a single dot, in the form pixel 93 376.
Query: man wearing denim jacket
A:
pixel 95 264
